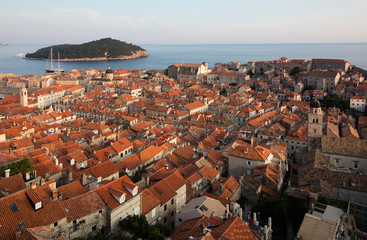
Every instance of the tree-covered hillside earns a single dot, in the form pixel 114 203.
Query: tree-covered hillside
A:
pixel 106 47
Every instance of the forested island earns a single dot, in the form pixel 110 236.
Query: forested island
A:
pixel 99 50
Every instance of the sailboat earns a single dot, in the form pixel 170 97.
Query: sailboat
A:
pixel 51 68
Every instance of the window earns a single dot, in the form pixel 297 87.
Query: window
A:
pixel 165 207
pixel 314 131
pixel 337 161
pixel 153 213
pixel 172 201
pixel 55 224
pixel 21 224
pixel 172 213
pixel 165 219
pixel 356 164
pixel 100 211
pixel 94 228
pixel 248 162
pixel 14 207
pixel 180 219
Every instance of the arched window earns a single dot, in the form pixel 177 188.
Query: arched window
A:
pixel 313 120
pixel 317 120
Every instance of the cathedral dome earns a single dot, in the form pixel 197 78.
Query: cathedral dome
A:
pixel 315 103
pixel 109 70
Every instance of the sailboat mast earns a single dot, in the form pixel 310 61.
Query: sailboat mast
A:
pixel 52 67
pixel 58 61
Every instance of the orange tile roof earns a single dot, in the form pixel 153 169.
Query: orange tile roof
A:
pixel 12 184
pixel 194 105
pixel 130 163
pixel 149 153
pixel 50 212
pixel 108 198
pixel 83 205
pixel 257 153
pixel 148 201
pixel 104 169
pixel 72 189
pixel 209 173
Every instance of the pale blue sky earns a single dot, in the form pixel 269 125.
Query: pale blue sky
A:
pixel 186 21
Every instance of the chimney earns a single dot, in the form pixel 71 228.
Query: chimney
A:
pixel 7 173
pixel 269 223
pixel 56 161
pixel 54 194
pixel 266 232
pixel 84 179
pixel 240 214
pixel 70 175
pixel 33 185
pixel 147 180
pixel 254 219
pixel 27 176
pixel 59 195
pixel 227 210
pixel 60 165
pixel 220 187
pixel 43 182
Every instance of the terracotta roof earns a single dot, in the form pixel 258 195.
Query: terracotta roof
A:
pixel 17 209
pixel 72 189
pixel 12 184
pixel 130 163
pixel 209 173
pixel 257 153
pixel 108 198
pixel 83 205
pixel 104 169
pixel 231 229
pixel 194 105
pixel 149 153
pixel 148 201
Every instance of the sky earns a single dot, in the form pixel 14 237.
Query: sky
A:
pixel 183 22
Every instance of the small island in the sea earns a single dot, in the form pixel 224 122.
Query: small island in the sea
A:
pixel 99 50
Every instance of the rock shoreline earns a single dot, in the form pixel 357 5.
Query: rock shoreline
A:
pixel 138 54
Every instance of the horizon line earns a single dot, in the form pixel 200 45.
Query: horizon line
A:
pixel 310 43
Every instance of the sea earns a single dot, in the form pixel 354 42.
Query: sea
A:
pixel 160 56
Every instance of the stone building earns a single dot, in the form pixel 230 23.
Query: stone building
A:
pixel 122 198
pixel 244 159
pixel 187 71
pixel 323 80
pixel 329 64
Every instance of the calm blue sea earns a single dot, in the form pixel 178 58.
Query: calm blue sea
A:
pixel 161 56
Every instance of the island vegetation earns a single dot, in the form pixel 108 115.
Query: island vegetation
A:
pixel 103 49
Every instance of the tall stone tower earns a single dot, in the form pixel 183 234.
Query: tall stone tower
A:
pixel 314 125
pixel 23 96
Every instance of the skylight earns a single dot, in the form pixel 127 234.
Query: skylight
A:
pixel 14 207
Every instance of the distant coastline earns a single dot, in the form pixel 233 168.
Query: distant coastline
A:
pixel 138 54
pixel 99 50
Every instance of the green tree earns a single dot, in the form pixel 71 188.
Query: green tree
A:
pixel 24 166
pixel 281 210
pixel 139 227
pixel 295 71
pixel 262 71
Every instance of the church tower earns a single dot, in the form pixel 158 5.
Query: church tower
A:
pixel 315 118
pixel 109 73
pixel 23 96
